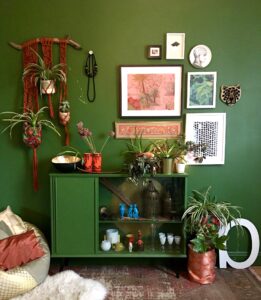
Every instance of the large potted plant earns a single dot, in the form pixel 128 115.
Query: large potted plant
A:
pixel 46 75
pixel 204 217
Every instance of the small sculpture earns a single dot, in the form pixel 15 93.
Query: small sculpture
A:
pixel 122 210
pixel 230 94
pixel 139 243
pixel 135 213
pixel 130 247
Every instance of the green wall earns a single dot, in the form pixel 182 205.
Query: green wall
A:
pixel 118 32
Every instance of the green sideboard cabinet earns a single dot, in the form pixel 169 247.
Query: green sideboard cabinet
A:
pixel 78 226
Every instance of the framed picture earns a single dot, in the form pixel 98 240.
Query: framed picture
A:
pixel 149 130
pixel 207 129
pixel 200 56
pixel 175 45
pixel 151 91
pixel 154 52
pixel 201 90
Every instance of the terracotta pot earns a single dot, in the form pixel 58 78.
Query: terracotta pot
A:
pixel 87 162
pixel 48 87
pixel 201 266
pixel 64 117
pixel 96 162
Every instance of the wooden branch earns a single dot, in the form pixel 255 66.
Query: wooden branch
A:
pixel 55 40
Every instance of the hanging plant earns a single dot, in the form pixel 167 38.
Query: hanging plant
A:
pixel 32 131
pixel 46 75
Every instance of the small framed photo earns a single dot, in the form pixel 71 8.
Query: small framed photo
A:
pixel 200 56
pixel 154 51
pixel 151 91
pixel 175 45
pixel 201 90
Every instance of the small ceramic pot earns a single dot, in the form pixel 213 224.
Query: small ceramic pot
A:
pixel 180 168
pixel 112 235
pixel 48 87
pixel 106 245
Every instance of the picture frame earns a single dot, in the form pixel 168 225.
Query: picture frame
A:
pixel 201 89
pixel 154 51
pixel 200 56
pixel 175 45
pixel 207 129
pixel 151 91
pixel 149 130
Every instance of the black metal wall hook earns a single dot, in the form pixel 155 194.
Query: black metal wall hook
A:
pixel 91 70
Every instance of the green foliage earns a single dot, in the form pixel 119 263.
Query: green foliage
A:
pixel 136 145
pixel 42 72
pixel 64 106
pixel 34 120
pixel 205 215
pixel 201 90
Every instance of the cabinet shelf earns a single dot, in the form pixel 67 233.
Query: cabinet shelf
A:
pixel 140 221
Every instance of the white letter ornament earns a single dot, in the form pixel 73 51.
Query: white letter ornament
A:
pixel 223 255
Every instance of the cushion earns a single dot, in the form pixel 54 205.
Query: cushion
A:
pixel 4 230
pixel 19 249
pixel 14 222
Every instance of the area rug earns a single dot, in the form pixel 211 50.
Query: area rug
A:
pixel 125 282
pixel 66 285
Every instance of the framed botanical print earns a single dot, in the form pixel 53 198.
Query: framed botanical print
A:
pixel 208 129
pixel 151 91
pixel 201 90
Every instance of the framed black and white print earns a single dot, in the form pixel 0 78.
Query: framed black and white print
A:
pixel 154 52
pixel 201 89
pixel 207 129
pixel 175 45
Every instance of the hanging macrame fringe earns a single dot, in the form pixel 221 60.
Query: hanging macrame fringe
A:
pixel 67 136
pixel 35 170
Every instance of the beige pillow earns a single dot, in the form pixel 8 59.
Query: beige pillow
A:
pixel 15 223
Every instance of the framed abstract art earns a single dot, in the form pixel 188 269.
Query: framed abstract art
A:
pixel 209 130
pixel 151 91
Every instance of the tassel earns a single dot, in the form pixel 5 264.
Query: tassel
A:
pixel 35 170
pixel 67 136
pixel 50 106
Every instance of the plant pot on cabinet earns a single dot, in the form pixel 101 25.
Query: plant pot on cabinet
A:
pixel 180 167
pixel 167 165
pixel 201 266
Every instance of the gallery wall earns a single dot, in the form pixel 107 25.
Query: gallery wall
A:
pixel 118 33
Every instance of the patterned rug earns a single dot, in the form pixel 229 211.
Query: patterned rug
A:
pixel 136 282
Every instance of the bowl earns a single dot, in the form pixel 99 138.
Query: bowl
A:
pixel 67 163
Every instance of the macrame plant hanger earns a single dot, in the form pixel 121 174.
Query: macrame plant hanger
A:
pixel 64 117
pixel 47 57
pixel 33 138
pixel 91 70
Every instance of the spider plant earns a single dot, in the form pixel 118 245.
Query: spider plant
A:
pixel 40 71
pixel 30 118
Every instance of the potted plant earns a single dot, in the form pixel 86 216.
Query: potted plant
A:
pixel 204 217
pixel 32 122
pixel 46 75
pixel 165 149
pixel 64 112
pixel 140 158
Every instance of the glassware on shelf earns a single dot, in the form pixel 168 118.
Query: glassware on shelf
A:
pixel 170 238
pixel 151 202
pixel 162 237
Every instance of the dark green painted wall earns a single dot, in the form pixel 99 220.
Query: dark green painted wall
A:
pixel 118 31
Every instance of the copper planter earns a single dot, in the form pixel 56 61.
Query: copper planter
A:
pixel 201 266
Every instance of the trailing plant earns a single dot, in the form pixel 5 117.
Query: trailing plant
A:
pixel 28 118
pixel 40 71
pixel 204 217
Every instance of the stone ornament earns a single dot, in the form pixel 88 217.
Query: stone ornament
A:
pixel 200 56
pixel 230 94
